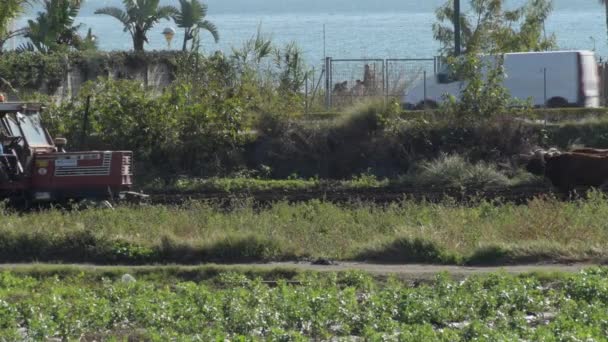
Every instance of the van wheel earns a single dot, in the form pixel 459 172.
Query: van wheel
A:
pixel 557 102
pixel 428 104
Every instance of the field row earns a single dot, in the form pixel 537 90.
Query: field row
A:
pixel 243 231
pixel 446 171
pixel 351 304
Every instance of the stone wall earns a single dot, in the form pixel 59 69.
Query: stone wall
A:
pixel 155 71
pixel 155 76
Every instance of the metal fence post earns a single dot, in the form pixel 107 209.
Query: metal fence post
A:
pixel 545 92
pixel 545 86
pixel 387 79
pixel 327 83
pixel 604 83
pixel 424 99
pixel 384 78
pixel 306 92
pixel 330 74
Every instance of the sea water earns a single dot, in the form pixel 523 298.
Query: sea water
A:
pixel 339 28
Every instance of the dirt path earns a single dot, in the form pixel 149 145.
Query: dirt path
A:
pixel 422 271
pixel 411 272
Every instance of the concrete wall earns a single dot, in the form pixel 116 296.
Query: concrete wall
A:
pixel 156 75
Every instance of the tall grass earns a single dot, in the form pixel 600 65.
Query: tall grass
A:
pixel 405 232
pixel 455 171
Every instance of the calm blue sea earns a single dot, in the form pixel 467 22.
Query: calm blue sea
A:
pixel 353 28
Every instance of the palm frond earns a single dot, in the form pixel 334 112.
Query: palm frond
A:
pixel 199 10
pixel 211 28
pixel 26 47
pixel 184 18
pixel 129 4
pixel 165 12
pixel 116 13
pixel 191 12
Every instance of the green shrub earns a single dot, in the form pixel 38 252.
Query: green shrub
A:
pixel 168 131
pixel 31 72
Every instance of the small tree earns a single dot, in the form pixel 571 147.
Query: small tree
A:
pixel 54 29
pixel 139 17
pixel 191 17
pixel 484 94
pixel 489 28
pixel 291 68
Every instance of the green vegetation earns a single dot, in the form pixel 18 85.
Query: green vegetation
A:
pixel 449 171
pixel 9 10
pixel 191 17
pixel 234 307
pixel 27 74
pixel 240 231
pixel 454 171
pixel 54 29
pixel 484 95
pixel 138 18
pixel 240 184
pixel 490 28
pixel 229 131
pixel 253 126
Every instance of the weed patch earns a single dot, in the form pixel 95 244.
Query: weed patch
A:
pixel 480 232
pixel 455 171
pixel 405 250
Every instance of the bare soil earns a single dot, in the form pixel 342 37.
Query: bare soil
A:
pixel 519 195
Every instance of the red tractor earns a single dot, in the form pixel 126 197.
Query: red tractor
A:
pixel 34 168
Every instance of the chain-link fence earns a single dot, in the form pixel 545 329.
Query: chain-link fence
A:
pixel 403 74
pixel 351 80
pixel 348 81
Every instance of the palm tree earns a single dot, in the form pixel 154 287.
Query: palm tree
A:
pixel 191 17
pixel 54 29
pixel 139 17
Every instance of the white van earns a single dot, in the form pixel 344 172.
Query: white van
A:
pixel 572 80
